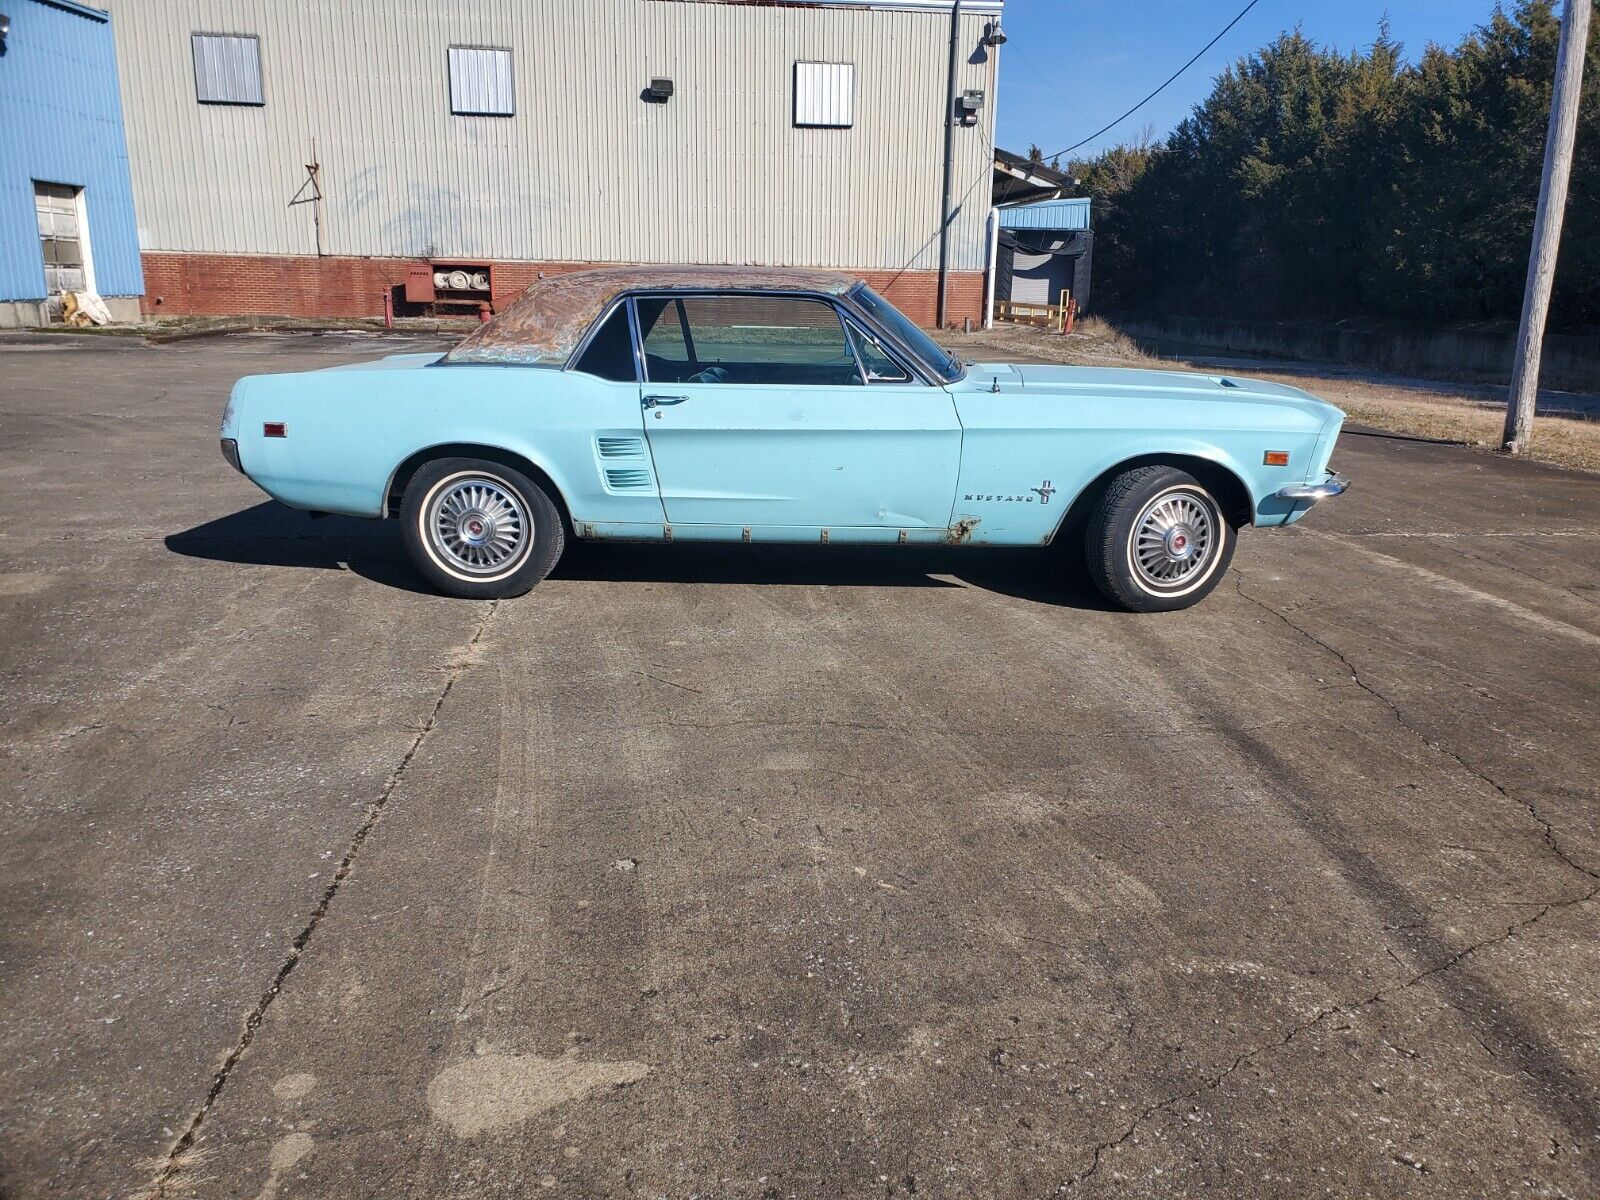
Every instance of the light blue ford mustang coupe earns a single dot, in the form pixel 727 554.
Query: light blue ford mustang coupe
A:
pixel 761 405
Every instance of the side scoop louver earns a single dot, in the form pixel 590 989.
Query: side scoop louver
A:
pixel 627 479
pixel 620 447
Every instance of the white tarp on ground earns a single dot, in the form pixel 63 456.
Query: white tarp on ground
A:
pixel 83 308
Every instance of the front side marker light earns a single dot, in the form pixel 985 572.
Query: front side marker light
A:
pixel 1275 458
pixel 274 429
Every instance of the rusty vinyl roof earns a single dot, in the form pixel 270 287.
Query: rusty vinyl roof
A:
pixel 545 324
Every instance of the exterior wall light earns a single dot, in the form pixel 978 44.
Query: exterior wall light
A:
pixel 659 91
pixel 993 35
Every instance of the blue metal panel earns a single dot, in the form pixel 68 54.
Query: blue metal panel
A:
pixel 1047 214
pixel 63 124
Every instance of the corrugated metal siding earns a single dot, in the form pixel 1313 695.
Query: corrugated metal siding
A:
pixel 63 124
pixel 1048 214
pixel 825 94
pixel 480 82
pixel 586 170
pixel 227 69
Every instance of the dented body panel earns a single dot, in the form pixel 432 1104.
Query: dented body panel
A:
pixel 997 456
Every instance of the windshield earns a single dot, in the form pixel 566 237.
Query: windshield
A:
pixel 947 366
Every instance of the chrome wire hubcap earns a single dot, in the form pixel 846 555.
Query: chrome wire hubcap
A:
pixel 1173 539
pixel 479 526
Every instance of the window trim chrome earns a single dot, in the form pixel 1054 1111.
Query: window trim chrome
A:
pixel 853 323
pixel 923 368
pixel 921 371
pixel 681 294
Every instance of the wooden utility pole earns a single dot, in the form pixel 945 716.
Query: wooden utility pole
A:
pixel 1547 224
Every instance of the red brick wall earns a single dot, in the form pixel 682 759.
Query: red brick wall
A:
pixel 289 286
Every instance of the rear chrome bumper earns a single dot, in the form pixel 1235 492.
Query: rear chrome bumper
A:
pixel 1310 493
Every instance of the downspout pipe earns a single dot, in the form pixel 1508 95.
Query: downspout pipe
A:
pixel 994 266
pixel 949 164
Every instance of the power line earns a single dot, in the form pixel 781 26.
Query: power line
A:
pixel 1045 79
pixel 1163 86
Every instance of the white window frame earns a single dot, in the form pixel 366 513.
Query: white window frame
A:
pixel 816 84
pixel 457 103
pixel 260 98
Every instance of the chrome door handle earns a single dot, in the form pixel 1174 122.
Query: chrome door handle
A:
pixel 663 401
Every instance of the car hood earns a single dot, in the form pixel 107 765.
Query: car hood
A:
pixel 1107 383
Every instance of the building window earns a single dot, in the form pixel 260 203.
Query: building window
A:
pixel 227 68
pixel 480 82
pixel 825 95
pixel 62 240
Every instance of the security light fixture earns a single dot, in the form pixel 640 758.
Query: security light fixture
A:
pixel 659 91
pixel 993 35
pixel 968 103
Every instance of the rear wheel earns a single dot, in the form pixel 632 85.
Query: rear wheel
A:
pixel 1157 540
pixel 478 529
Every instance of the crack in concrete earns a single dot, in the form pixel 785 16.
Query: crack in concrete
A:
pixel 1213 1082
pixel 1551 841
pixel 172 1163
pixel 1524 572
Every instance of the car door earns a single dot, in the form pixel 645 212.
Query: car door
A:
pixel 759 413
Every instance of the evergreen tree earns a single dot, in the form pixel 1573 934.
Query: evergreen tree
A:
pixel 1319 185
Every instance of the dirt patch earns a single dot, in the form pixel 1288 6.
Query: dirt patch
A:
pixel 1451 413
pixel 490 1091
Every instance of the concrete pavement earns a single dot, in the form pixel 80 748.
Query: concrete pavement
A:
pixel 730 872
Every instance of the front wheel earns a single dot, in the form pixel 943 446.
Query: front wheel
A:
pixel 478 529
pixel 1156 540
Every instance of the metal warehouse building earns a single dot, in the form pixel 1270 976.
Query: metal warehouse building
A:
pixel 308 156
pixel 66 212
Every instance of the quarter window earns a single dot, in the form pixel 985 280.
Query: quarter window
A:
pixel 609 353
pixel 746 339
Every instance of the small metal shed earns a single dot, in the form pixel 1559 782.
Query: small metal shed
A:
pixel 1045 249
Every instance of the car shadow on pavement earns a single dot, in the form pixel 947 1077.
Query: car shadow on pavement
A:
pixel 1042 576
pixel 274 535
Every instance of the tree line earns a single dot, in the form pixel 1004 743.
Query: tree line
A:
pixel 1318 185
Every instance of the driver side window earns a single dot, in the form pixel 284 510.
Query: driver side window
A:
pixel 746 339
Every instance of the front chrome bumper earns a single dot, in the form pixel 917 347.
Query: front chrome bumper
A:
pixel 1310 493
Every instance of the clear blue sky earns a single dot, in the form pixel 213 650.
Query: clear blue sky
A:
pixel 1101 58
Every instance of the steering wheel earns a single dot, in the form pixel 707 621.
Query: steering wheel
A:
pixel 709 375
